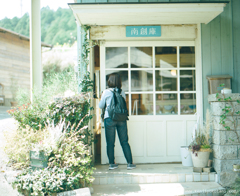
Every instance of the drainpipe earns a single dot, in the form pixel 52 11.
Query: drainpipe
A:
pixel 35 47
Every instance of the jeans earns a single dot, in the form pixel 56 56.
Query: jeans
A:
pixel 110 127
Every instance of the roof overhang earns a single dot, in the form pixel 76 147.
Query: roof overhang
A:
pixel 23 37
pixel 146 13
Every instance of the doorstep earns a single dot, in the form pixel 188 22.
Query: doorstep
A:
pixel 161 189
pixel 150 173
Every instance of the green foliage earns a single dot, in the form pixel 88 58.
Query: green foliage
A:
pixel 86 83
pixel 23 141
pixel 74 110
pixel 229 111
pixel 47 181
pixel 69 168
pixel 56 26
pixel 35 114
pixel 72 153
pixel 200 143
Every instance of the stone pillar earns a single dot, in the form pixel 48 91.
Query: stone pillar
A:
pixel 35 46
pixel 226 147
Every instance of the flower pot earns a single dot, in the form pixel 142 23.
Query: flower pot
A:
pixel 186 156
pixel 236 167
pixel 13 103
pixel 201 160
pixel 38 160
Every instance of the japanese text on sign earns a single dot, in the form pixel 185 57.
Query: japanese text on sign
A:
pixel 143 31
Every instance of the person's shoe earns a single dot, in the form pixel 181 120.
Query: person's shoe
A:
pixel 113 166
pixel 131 166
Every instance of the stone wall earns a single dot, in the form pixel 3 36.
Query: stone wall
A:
pixel 226 147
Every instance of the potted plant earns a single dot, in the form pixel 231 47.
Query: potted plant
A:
pixel 201 149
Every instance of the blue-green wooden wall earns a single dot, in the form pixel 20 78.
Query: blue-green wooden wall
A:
pixel 220 43
pixel 130 1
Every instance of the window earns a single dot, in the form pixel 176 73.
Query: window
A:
pixel 158 80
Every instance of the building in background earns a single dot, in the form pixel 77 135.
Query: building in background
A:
pixel 14 64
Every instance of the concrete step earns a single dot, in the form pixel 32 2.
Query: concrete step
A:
pixel 150 173
pixel 161 189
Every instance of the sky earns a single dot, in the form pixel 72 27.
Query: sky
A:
pixel 12 8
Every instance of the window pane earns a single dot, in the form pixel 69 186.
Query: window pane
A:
pixel 187 80
pixel 166 57
pixel 166 104
pixel 187 56
pixel 188 103
pixel 116 57
pixel 142 80
pixel 141 57
pixel 124 78
pixel 142 104
pixel 166 80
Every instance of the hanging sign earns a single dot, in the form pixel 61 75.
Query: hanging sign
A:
pixel 143 31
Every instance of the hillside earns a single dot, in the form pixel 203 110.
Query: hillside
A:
pixel 56 26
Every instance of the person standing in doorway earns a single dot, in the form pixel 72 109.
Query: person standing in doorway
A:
pixel 115 83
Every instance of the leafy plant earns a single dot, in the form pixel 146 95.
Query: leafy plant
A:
pixel 70 167
pixel 23 140
pixel 47 181
pixel 201 140
pixel 34 114
pixel 74 110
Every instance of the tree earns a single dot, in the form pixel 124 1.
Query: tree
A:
pixel 56 26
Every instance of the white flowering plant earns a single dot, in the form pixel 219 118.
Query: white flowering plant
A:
pixel 53 134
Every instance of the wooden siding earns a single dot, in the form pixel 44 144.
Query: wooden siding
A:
pixel 236 45
pixel 14 64
pixel 221 48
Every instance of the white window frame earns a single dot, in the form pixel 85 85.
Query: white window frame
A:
pixel 153 44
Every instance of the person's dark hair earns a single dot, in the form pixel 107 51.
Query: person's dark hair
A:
pixel 114 80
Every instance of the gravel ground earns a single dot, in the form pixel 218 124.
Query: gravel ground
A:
pixel 6 124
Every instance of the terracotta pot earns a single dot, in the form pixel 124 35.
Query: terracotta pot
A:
pixel 201 160
pixel 13 103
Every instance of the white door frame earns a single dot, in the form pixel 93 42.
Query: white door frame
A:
pixel 198 68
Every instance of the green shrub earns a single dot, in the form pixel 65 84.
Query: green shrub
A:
pixel 23 141
pixel 31 115
pixel 47 181
pixel 72 110
pixel 70 167
pixel 34 114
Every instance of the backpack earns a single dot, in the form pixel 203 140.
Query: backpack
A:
pixel 117 109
